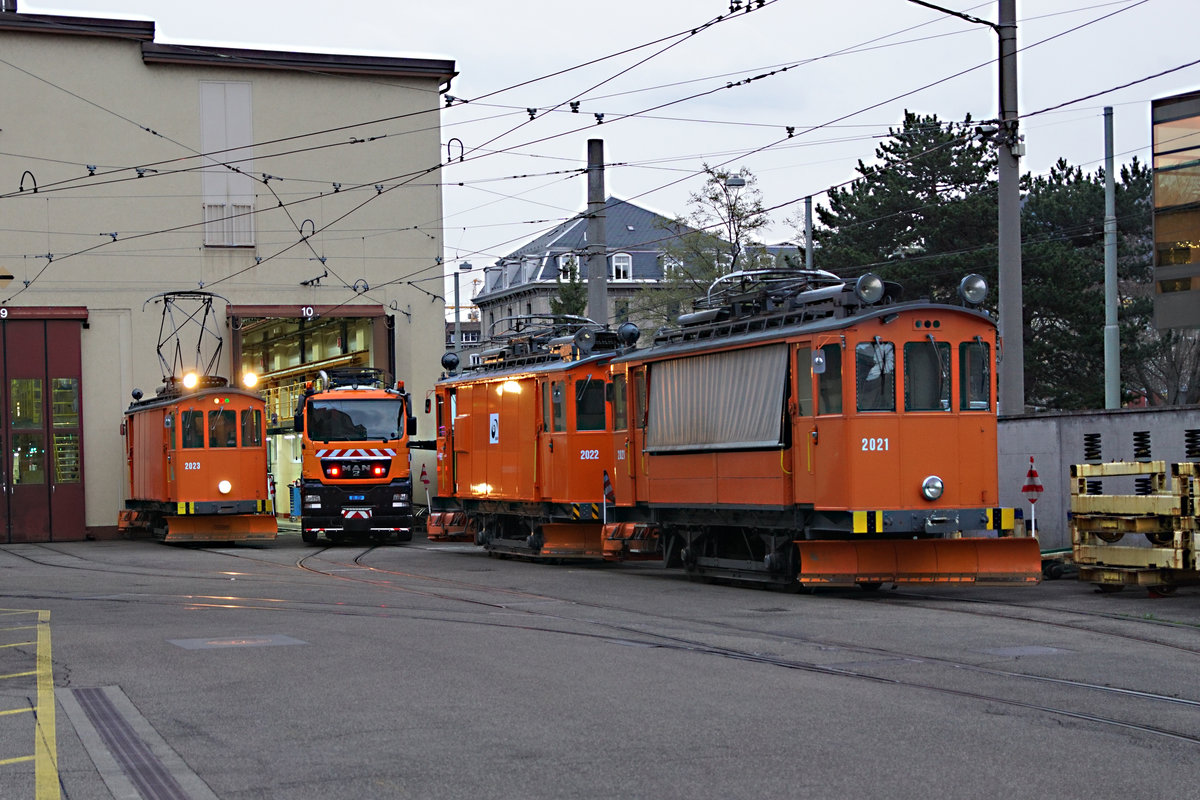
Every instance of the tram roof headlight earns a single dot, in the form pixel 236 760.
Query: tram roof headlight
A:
pixel 869 288
pixel 191 380
pixel 932 487
pixel 973 289
pixel 249 380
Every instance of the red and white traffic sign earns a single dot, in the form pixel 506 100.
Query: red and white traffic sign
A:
pixel 1033 485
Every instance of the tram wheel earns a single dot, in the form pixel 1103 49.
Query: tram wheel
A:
pixel 1110 588
pixel 1163 589
pixel 1161 538
pixel 1109 536
pixel 871 586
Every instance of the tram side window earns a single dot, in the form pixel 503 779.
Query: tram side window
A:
pixel 251 427
pixel 927 376
pixel 639 399
pixel 193 428
pixel 804 394
pixel 875 371
pixel 829 381
pixel 222 428
pixel 620 415
pixel 559 404
pixel 974 376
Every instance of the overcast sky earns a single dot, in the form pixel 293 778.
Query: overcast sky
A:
pixel 854 66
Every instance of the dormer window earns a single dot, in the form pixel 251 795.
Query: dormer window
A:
pixel 622 267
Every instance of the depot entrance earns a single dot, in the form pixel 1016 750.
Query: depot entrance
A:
pixel 287 346
pixel 41 435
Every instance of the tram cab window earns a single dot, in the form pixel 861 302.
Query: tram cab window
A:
pixel 222 428
pixel 974 376
pixel 251 427
pixel 829 379
pixel 804 393
pixel 875 372
pixel 927 376
pixel 558 405
pixel 620 411
pixel 192 429
pixel 589 404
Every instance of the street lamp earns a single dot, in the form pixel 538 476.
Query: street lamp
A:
pixel 465 266
pixel 735 182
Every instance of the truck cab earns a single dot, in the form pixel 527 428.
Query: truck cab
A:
pixel 355 479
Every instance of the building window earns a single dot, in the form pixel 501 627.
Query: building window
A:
pixel 226 137
pixel 622 267
pixel 568 263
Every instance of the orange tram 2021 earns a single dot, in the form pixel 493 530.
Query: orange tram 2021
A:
pixel 197 461
pixel 794 428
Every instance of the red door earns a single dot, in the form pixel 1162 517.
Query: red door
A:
pixel 41 419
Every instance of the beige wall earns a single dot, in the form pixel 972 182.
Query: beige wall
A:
pixel 75 112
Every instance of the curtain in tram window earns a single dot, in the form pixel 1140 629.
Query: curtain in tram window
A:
pixel 721 401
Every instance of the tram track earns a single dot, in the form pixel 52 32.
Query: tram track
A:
pixel 664 640
pixel 357 569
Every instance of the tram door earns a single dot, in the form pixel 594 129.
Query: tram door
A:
pixel 40 435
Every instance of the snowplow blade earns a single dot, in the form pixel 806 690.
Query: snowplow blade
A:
pixel 985 562
pixel 222 528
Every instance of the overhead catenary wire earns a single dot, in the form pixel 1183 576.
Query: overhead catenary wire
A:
pixel 694 173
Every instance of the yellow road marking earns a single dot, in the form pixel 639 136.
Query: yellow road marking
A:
pixel 25 710
pixel 17 760
pixel 19 674
pixel 17 644
pixel 46 784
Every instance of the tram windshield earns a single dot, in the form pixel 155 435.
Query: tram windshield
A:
pixel 355 420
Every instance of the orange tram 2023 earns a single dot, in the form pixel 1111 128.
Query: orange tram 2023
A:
pixel 795 428
pixel 197 461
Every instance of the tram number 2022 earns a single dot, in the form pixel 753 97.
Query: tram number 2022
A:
pixel 589 455
pixel 874 444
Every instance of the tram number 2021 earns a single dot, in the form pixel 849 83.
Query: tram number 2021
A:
pixel 874 444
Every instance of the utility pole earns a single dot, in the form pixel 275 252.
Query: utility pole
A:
pixel 1112 333
pixel 597 243
pixel 1012 319
pixel 1008 158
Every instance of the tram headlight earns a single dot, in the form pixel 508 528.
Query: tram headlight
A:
pixel 973 289
pixel 869 288
pixel 191 380
pixel 225 487
pixel 249 380
pixel 932 487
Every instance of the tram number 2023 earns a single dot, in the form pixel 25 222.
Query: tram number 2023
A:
pixel 874 444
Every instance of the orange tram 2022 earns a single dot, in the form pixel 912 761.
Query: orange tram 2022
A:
pixel 197 462
pixel 795 428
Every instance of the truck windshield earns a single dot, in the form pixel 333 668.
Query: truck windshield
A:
pixel 355 420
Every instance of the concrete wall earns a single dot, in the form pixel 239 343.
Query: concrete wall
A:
pixel 1056 441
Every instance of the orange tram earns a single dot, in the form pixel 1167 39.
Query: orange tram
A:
pixel 197 462
pixel 794 428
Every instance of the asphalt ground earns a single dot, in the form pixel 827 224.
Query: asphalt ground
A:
pixel 133 669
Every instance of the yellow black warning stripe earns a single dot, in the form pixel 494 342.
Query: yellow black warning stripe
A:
pixel 1001 519
pixel 868 521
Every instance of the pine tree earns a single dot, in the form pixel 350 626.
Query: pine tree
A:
pixel 923 215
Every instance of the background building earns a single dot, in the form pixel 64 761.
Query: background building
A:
pixel 1176 134
pixel 293 185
